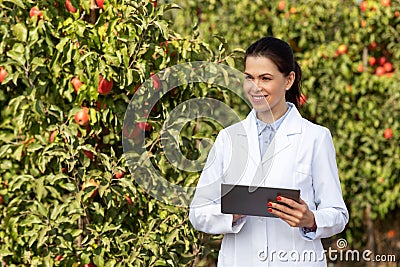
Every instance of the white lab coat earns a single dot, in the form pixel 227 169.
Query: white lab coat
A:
pixel 301 156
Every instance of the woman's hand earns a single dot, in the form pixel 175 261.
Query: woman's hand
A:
pixel 296 215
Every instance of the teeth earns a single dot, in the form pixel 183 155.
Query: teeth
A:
pixel 258 97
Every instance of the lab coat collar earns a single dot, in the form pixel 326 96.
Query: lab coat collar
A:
pixel 291 125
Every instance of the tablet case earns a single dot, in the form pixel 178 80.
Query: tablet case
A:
pixel 250 200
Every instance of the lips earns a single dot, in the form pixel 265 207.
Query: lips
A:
pixel 259 98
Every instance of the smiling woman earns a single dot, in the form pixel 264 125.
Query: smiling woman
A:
pixel 273 147
pixel 266 86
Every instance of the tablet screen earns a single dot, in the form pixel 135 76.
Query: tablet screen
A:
pixel 250 200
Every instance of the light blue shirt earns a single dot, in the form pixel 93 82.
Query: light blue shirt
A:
pixel 266 132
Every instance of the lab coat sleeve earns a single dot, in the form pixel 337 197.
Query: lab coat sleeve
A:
pixel 205 209
pixel 331 215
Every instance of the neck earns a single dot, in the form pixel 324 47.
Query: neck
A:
pixel 270 116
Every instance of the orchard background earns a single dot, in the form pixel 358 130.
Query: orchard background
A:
pixel 68 70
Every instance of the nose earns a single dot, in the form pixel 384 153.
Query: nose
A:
pixel 257 84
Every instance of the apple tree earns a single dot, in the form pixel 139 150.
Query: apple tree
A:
pixel 68 70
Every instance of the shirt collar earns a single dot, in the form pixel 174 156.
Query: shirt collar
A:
pixel 261 126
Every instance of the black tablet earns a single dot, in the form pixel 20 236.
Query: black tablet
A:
pixel 250 200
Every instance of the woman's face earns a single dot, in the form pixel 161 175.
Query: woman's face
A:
pixel 265 86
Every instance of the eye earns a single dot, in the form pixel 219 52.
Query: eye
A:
pixel 266 78
pixel 248 77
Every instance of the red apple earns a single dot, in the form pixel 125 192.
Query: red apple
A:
pixel 70 7
pixel 35 12
pixel 363 5
pixel 386 2
pixel 303 99
pixel 100 3
pixel 1 199
pixel 373 45
pixel 281 5
pixel 136 88
pixel 59 258
pixel 105 86
pixel 388 133
pixel 379 71
pixel 292 10
pixel 391 233
pixel 100 106
pixel 381 179
pixel 129 200
pixel 133 133
pixel 154 3
pixel 372 61
pixel 388 67
pixel 89 265
pixel 119 174
pixel 3 74
pixel 342 49
pixel 64 170
pixel 144 126
pixel 363 23
pixel 396 14
pixel 382 60
pixel 88 154
pixel 76 83
pixel 360 68
pixel 53 136
pixel 82 117
pixel 156 81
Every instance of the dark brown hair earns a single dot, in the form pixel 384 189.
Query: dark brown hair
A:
pixel 281 54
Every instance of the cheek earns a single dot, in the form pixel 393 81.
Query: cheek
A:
pixel 247 85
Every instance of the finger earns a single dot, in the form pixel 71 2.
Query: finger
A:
pixel 301 201
pixel 288 210
pixel 292 203
pixel 289 219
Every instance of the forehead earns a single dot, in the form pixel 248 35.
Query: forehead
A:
pixel 260 65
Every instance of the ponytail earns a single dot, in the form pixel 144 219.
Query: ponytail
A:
pixel 294 93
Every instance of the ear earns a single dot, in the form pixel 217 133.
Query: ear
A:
pixel 290 80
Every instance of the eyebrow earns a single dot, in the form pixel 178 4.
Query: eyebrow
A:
pixel 261 75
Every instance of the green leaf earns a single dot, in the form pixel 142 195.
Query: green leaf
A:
pixel 60 46
pixel 39 188
pixel 99 259
pixel 17 2
pixel 171 237
pixel 69 186
pixel 18 57
pixel 20 31
pixel 4 149
pixel 5 253
pixel 42 237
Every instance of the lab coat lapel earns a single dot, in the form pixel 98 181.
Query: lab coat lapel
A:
pixel 248 136
pixel 247 140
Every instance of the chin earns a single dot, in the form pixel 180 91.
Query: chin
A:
pixel 262 109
